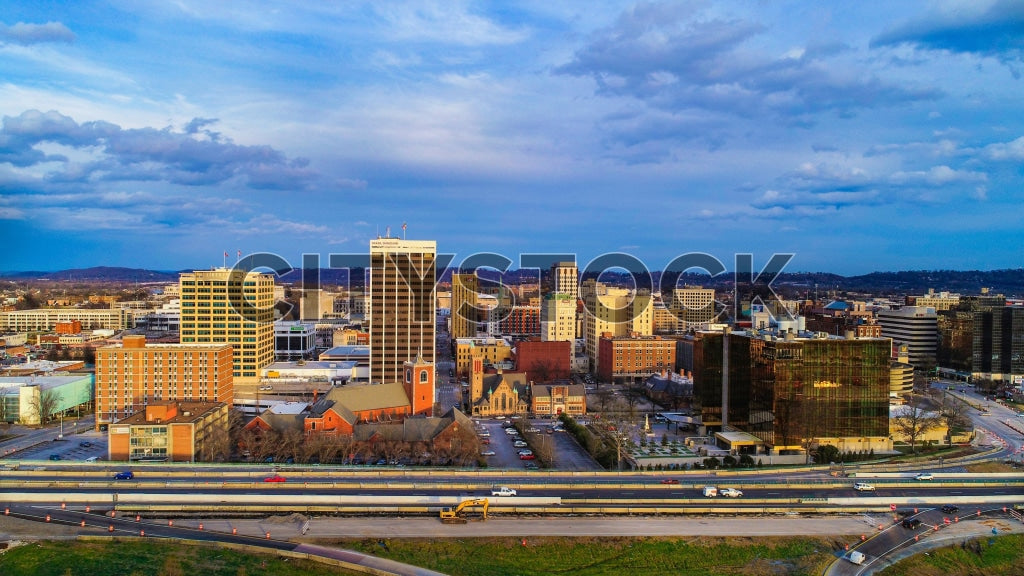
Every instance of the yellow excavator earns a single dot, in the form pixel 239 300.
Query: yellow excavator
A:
pixel 453 515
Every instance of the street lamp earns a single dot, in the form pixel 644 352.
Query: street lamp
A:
pixel 61 435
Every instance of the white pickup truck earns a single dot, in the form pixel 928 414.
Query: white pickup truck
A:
pixel 503 491
pixel 730 492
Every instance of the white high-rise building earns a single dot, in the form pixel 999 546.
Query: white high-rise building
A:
pixel 565 279
pixel 558 317
pixel 915 326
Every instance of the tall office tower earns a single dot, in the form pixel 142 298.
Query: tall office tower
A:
pixel 615 311
pixel 915 326
pixel 999 343
pixel 565 279
pixel 558 317
pixel 132 375
pixel 465 314
pixel 403 321
pixel 228 306
pixel 692 306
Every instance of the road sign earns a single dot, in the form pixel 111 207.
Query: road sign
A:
pixel 892 507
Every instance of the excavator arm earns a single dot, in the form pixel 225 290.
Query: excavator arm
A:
pixel 454 515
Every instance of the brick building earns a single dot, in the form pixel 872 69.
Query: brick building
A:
pixel 544 361
pixel 172 432
pixel 634 357
pixel 134 374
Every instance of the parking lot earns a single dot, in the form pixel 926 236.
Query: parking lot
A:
pixel 568 455
pixel 73 447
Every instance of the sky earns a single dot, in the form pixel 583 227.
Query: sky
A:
pixel 856 136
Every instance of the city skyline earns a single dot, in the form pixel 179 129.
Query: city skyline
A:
pixel 858 137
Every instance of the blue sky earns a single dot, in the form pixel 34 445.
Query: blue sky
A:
pixel 858 136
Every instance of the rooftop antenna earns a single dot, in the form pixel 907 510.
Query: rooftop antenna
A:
pixel 387 231
pixel 403 230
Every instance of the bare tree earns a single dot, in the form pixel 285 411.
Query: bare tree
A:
pixel 604 396
pixel 259 443
pixel 289 445
pixel 912 422
pixel 217 447
pixel 345 448
pixel 5 412
pixel 954 412
pixel 42 407
pixel 392 450
pixel 634 395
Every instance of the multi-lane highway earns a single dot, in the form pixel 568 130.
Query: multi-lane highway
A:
pixel 410 491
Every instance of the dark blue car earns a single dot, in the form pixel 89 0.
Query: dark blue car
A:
pixel 126 475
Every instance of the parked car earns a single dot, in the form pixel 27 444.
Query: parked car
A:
pixel 54 456
pixel 85 444
pixel 487 453
pixel 950 509
pixel 275 478
pixel 526 457
pixel 924 476
pixel 520 444
pixel 731 492
pixel 126 475
pixel 521 452
pixel 863 487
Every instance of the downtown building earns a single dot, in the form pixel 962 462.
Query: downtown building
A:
pixel 999 344
pixel 615 312
pixel 46 319
pixel 915 326
pixel 134 374
pixel 565 279
pixel 465 311
pixel 403 318
pixel 558 317
pixel 633 358
pixel 693 307
pixel 229 306
pixel 794 391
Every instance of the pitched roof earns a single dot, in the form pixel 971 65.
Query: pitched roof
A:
pixel 544 390
pixel 412 429
pixel 283 422
pixel 364 397
pixel 516 380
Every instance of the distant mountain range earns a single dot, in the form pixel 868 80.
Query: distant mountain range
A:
pixel 1009 282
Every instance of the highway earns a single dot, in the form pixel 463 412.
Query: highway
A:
pixel 423 492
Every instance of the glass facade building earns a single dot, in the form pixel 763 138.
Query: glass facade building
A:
pixel 787 391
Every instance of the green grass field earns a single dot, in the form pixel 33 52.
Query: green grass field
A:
pixel 1002 556
pixel 606 556
pixel 150 558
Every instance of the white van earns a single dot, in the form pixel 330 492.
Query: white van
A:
pixel 856 557
pixel 710 491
